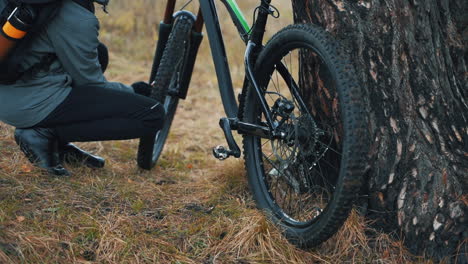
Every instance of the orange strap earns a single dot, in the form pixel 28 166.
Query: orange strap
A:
pixel 13 32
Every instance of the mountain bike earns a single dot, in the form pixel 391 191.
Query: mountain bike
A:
pixel 300 114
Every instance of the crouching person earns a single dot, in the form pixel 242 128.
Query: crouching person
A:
pixel 63 97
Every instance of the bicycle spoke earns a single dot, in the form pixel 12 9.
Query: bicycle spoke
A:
pixel 328 147
pixel 266 142
pixel 298 173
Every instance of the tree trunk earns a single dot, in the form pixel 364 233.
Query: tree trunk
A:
pixel 411 58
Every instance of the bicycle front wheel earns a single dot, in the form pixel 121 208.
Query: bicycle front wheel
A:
pixel 306 178
pixel 167 84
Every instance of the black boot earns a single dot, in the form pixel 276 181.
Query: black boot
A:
pixel 72 154
pixel 41 148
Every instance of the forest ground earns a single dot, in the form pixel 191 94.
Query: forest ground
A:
pixel 190 209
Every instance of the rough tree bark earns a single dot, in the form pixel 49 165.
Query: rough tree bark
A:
pixel 411 56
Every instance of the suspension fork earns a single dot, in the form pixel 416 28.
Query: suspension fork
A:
pixel 165 28
pixel 196 38
pixel 170 7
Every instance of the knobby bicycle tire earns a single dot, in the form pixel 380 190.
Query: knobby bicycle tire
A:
pixel 266 174
pixel 167 79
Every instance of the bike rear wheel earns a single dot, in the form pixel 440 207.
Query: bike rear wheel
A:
pixel 306 179
pixel 166 87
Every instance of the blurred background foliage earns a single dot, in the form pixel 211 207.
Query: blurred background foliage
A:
pixel 131 27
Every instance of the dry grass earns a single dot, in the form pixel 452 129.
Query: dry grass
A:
pixel 190 209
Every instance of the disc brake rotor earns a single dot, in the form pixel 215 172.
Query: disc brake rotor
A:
pixel 298 151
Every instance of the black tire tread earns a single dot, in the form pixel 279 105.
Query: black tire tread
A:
pixel 355 135
pixel 172 53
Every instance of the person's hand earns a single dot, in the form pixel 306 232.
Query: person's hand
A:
pixel 142 88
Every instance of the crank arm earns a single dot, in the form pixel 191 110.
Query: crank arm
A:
pixel 248 129
pixel 222 153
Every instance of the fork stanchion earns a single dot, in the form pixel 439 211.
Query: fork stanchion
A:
pixel 195 40
pixel 170 7
pixel 198 26
pixel 164 31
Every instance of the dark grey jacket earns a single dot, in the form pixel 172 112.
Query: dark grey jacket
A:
pixel 73 37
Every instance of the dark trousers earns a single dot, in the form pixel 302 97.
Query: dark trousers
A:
pixel 98 114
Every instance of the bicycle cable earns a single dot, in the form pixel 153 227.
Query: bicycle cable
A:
pixel 185 5
pixel 271 10
pixel 276 93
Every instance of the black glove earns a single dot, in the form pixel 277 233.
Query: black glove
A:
pixel 142 88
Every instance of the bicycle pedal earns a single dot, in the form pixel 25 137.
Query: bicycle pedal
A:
pixel 221 153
